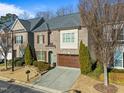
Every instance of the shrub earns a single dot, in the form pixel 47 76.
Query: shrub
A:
pixel 99 70
pixel 28 56
pixel 42 66
pixel 84 58
pixel 19 61
pixel 35 63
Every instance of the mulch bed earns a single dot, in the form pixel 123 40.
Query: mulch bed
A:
pixel 103 89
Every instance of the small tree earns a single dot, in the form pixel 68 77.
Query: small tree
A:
pixel 27 56
pixel 64 10
pixel 5 44
pixel 84 59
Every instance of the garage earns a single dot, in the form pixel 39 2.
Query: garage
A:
pixel 68 60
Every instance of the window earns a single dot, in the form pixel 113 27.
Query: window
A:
pixel 40 39
pixel 19 39
pixel 41 55
pixel 119 59
pixel 68 37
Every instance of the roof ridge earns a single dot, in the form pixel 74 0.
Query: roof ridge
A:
pixel 62 16
pixel 35 18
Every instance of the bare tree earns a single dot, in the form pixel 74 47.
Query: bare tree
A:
pixel 5 44
pixel 25 15
pixel 64 10
pixel 103 20
pixel 44 14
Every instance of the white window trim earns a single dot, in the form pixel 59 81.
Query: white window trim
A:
pixel 122 60
pixel 69 45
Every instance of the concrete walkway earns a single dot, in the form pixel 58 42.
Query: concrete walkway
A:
pixel 58 79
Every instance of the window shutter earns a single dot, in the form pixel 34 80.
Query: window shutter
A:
pixel 15 39
pixel 21 39
pixel 38 39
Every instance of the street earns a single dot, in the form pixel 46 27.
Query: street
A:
pixel 6 87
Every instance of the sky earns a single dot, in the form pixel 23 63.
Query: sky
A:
pixel 18 7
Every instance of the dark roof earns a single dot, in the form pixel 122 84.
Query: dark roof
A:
pixel 61 22
pixel 26 24
pixel 34 22
pixel 7 24
pixel 31 24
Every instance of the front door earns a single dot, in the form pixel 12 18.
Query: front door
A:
pixel 50 55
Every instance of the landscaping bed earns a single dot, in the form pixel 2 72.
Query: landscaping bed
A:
pixel 114 77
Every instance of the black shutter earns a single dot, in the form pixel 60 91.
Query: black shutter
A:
pixel 21 39
pixel 38 39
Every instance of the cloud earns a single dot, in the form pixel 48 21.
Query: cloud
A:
pixel 10 8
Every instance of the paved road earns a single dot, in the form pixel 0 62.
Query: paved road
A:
pixel 6 87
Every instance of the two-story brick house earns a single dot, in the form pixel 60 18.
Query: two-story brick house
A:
pixel 57 40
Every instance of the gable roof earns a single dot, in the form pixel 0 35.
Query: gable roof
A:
pixel 60 22
pixel 26 24
pixel 31 24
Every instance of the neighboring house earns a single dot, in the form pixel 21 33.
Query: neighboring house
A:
pixel 23 35
pixel 7 24
pixel 57 40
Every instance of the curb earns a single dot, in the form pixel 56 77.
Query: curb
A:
pixel 35 87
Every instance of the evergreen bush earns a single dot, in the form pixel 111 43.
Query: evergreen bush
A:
pixel 84 58
pixel 28 56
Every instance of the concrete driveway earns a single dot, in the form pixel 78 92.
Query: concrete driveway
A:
pixel 59 79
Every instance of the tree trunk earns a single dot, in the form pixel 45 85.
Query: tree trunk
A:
pixel 105 75
pixel 5 60
pixel 28 77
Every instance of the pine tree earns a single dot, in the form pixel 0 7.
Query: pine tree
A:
pixel 84 58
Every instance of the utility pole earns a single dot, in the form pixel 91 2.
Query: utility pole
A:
pixel 12 51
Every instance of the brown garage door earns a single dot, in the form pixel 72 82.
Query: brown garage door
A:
pixel 68 60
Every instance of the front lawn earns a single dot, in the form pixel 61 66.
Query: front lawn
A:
pixel 19 73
